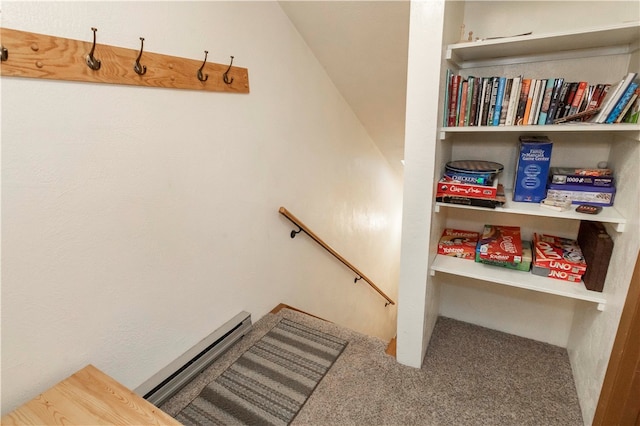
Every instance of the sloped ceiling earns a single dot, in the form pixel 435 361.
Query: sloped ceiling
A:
pixel 363 47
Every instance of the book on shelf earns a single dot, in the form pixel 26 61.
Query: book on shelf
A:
pixel 634 111
pixel 514 98
pixel 474 101
pixel 463 103
pixel 453 99
pixel 562 97
pixel 546 101
pixel 467 113
pixel 486 101
pixel 614 94
pixel 462 80
pixel 622 103
pixel 626 109
pixel 502 81
pixel 578 97
pixel 586 98
pixel 599 93
pixel 482 89
pixel 495 84
pixel 529 101
pixel 568 100
pixel 623 117
pixel 555 94
pixel 447 91
pixel 537 101
pixel 506 99
pixel 522 103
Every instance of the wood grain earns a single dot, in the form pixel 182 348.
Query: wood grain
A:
pixel 89 397
pixel 34 55
pixel 286 213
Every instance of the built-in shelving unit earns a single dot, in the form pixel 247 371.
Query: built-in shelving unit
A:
pixel 534 48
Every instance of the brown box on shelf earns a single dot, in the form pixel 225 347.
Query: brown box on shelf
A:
pixel 596 247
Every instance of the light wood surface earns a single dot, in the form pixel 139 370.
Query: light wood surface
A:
pixel 43 56
pixel 286 213
pixel 88 397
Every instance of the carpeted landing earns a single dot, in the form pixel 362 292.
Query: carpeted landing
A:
pixel 470 376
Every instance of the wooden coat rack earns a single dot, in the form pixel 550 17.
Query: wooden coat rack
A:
pixel 26 54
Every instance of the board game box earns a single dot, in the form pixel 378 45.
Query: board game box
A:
pixel 524 265
pixel 447 187
pixel 500 243
pixel 532 169
pixel 458 243
pixel 580 194
pixel 562 255
pixel 580 176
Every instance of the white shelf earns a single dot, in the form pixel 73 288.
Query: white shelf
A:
pixel 513 278
pixel 607 215
pixel 632 129
pixel 614 39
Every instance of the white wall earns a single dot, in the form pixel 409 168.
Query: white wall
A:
pixel 138 220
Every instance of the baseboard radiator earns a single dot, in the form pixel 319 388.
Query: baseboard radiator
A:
pixel 164 384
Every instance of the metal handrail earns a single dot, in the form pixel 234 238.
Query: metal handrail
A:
pixel 303 228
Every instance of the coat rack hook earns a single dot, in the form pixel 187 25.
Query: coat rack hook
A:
pixel 294 232
pixel 225 76
pixel 4 54
pixel 138 68
pixel 93 62
pixel 204 77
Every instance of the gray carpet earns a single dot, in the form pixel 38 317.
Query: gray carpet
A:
pixel 471 376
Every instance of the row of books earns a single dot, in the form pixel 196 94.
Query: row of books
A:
pixel 517 101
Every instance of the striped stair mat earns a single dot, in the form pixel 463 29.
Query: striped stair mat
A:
pixel 270 382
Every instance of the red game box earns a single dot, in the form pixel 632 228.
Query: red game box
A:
pixel 553 253
pixel 500 243
pixel 458 243
pixel 452 188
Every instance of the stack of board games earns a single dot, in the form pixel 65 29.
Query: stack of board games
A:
pixel 532 169
pixel 582 185
pixel 458 243
pixel 557 257
pixel 472 183
pixel 500 244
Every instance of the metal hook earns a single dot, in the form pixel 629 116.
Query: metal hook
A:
pixel 93 62
pixel 140 69
pixel 386 304
pixel 5 54
pixel 357 278
pixel 225 76
pixel 206 76
pixel 294 232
